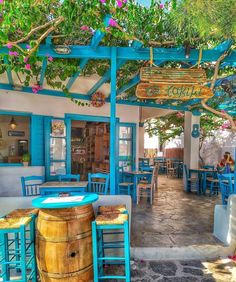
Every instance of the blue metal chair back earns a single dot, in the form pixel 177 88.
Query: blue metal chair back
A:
pixel 226 186
pixel 30 185
pixel 69 177
pixel 98 183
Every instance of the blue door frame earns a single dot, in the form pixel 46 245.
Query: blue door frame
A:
pixel 113 140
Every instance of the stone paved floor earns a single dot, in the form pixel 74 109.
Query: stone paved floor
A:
pixel 221 270
pixel 175 219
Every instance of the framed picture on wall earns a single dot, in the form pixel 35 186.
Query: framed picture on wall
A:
pixel 16 133
pixel 58 128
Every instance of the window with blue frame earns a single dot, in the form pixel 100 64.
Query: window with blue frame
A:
pixel 57 147
pixel 14 138
pixel 127 146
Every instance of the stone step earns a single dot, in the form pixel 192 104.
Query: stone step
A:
pixel 194 252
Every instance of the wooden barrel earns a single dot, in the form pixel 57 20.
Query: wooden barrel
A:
pixel 64 244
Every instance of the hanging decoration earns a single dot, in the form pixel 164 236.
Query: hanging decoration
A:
pixel 173 83
pixel 98 99
pixel 172 91
pixel 171 75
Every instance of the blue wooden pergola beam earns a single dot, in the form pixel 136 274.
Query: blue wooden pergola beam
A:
pixel 134 81
pixel 106 77
pixel 43 71
pixel 9 74
pixel 129 53
pixel 96 39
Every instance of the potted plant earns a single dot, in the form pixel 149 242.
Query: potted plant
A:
pixel 25 159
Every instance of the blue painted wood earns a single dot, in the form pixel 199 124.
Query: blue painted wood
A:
pixel 98 183
pixel 68 145
pixel 30 185
pixel 18 253
pixel 136 45
pixel 87 118
pixel 130 53
pixel 37 140
pixel 113 123
pixel 99 245
pixel 47 131
pixel 69 177
pixel 56 190
pixel 134 81
pixel 226 186
pixel 89 198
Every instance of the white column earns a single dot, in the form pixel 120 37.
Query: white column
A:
pixel 191 144
pixel 141 141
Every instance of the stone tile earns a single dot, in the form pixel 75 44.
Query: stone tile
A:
pixel 193 271
pixel 176 218
pixel 163 267
pixel 179 279
pixel 194 263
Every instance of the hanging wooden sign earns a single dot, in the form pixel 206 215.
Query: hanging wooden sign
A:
pixel 171 75
pixel 172 91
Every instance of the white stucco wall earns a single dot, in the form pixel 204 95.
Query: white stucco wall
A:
pixel 58 107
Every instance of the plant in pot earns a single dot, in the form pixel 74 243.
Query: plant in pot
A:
pixel 25 159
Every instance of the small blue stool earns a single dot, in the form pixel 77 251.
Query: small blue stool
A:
pixel 111 224
pixel 17 250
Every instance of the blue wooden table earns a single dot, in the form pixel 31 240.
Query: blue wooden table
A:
pixel 136 175
pixel 88 198
pixel 53 187
pixel 203 173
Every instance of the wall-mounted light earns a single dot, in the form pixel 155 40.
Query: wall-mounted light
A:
pixel 62 49
pixel 187 49
pixel 12 123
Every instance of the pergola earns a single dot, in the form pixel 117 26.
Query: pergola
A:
pixel 118 56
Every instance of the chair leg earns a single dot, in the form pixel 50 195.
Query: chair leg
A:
pixel 127 251
pixel 95 252
pixel 137 195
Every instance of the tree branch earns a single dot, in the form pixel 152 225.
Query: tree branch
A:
pixel 204 101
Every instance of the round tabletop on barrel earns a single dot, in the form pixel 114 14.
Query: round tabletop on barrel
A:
pixel 74 200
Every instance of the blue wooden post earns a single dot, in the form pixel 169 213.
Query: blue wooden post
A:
pixel 113 123
pixel 235 170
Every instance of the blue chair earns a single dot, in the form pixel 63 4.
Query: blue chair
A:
pixel 30 185
pixel 98 183
pixel 125 187
pixel 119 225
pixel 226 186
pixel 17 248
pixel 69 177
pixel 208 167
pixel 190 182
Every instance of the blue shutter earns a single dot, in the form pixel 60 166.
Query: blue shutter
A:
pixel 37 140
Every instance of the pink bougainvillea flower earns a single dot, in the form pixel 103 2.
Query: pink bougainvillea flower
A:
pixel 9 45
pixel 103 1
pixel 27 46
pixel 13 53
pixel 124 1
pixel 119 3
pixel 162 6
pixel 112 22
pixel 1 1
pixel 28 66
pixel 50 59
pixel 226 124
pixel 26 59
pixel 36 88
pixel 223 111
pixel 108 28
pixel 85 27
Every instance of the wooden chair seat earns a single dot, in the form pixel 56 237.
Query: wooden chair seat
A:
pixel 126 183
pixel 144 186
pixel 14 222
pixel 107 219
pixel 23 213
pixel 115 208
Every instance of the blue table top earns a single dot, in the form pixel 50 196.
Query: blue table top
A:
pixel 88 199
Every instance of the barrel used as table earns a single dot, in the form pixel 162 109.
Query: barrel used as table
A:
pixel 64 240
